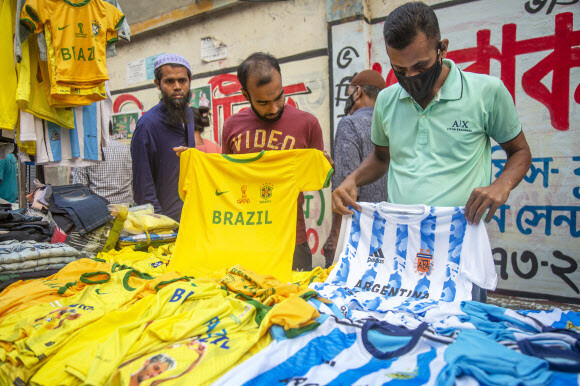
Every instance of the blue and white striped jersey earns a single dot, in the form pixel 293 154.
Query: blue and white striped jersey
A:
pixel 408 258
pixel 347 352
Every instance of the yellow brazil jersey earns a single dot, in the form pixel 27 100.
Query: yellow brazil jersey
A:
pixel 80 31
pixel 40 330
pixel 241 209
pixel 25 294
pixel 65 96
pixel 30 94
pixel 181 311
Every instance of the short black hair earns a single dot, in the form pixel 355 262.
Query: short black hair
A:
pixel 405 22
pixel 261 64
pixel 158 73
pixel 371 91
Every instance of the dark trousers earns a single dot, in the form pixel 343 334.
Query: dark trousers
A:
pixel 479 294
pixel 87 210
pixel 302 258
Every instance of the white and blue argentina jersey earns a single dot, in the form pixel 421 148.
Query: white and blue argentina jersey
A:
pixel 347 352
pixel 556 318
pixel 407 258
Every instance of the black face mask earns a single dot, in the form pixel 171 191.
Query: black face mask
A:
pixel 421 85
pixel 350 101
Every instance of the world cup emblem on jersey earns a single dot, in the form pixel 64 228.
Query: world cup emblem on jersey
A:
pixel 266 193
pixel 424 262
pixel 244 199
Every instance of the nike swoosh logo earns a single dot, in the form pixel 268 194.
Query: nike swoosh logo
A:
pixel 98 291
pixel 61 28
pixel 220 193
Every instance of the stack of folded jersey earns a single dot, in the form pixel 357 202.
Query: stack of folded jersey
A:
pixel 24 260
pixel 17 225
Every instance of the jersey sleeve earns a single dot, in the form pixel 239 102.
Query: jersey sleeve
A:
pixel 477 263
pixel 503 123
pixel 32 16
pixel 115 19
pixel 313 171
pixel 186 169
pixel 378 135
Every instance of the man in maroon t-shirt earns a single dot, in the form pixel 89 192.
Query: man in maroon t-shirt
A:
pixel 271 124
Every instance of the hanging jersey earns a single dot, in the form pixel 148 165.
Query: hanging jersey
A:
pixel 66 96
pixel 394 259
pixel 346 352
pixel 240 209
pixel 30 94
pixel 76 147
pixel 80 32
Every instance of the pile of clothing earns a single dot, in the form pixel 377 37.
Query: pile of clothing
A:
pixel 17 225
pixel 24 260
pixel 122 319
pixel 144 228
pixel 103 319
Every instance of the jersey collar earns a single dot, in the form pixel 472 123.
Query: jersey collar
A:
pixel 79 4
pixel 244 160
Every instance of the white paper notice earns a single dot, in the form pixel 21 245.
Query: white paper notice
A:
pixel 136 71
pixel 212 49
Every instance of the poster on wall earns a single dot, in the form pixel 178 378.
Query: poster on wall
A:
pixel 534 50
pixel 124 125
pixel 201 96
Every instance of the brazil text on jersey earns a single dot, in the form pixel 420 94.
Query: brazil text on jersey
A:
pixel 242 218
pixel 78 54
pixel 387 290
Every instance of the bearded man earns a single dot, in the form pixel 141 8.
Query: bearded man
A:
pixel 167 125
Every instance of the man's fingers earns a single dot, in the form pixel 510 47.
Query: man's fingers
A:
pixel 340 202
pixel 480 211
pixel 338 207
pixel 471 210
pixel 491 212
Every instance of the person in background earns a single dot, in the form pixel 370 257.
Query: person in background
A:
pixel 167 125
pixel 110 179
pixel 9 178
pixel 432 130
pixel 201 120
pixel 353 144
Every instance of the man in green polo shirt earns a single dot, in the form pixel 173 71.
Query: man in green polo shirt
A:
pixel 432 131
